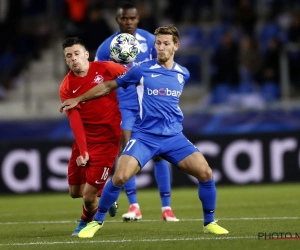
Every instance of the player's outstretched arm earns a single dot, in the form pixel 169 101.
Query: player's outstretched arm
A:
pixel 97 91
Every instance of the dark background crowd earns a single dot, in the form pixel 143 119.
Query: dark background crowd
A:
pixel 245 43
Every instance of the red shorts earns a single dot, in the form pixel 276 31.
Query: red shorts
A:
pixel 96 172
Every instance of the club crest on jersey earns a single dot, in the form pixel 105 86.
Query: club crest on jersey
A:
pixel 98 79
pixel 180 78
pixel 143 47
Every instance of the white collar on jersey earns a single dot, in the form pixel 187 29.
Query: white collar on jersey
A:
pixel 156 66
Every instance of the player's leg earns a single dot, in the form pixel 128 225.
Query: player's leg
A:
pixel 110 152
pixel 97 172
pixel 79 191
pixel 129 187
pixel 162 177
pixel 76 181
pixel 90 202
pixel 82 222
pixel 136 154
pixel 190 161
pixel 196 165
pixel 134 212
pixel 127 167
pixel 114 207
pixel 89 206
pixel 76 191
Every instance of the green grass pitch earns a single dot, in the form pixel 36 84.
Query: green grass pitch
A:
pixel 46 221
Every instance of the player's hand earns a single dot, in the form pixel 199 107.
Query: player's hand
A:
pixel 81 162
pixel 68 104
pixel 130 65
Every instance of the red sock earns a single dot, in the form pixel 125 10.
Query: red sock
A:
pixel 87 215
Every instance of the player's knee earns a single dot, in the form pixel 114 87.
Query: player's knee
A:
pixel 88 199
pixel 205 174
pixel 75 195
pixel 119 180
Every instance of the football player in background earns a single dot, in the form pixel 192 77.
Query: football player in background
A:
pixel 95 125
pixel 128 19
pixel 157 130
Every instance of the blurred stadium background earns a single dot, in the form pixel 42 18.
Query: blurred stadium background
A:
pixel 241 104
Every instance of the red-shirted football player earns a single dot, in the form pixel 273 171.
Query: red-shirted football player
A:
pixel 95 125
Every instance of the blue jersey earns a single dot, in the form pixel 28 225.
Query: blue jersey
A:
pixel 147 52
pixel 158 91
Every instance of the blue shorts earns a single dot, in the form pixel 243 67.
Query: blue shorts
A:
pixel 173 149
pixel 128 118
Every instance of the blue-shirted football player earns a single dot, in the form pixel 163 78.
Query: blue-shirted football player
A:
pixel 127 19
pixel 157 131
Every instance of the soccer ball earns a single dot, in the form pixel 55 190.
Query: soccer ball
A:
pixel 124 48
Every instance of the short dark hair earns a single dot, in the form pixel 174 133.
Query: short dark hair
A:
pixel 168 30
pixel 126 5
pixel 70 41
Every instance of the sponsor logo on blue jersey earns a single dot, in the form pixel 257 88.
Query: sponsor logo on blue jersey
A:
pixel 180 78
pixel 164 92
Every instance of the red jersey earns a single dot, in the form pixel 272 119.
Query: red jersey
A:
pixel 97 120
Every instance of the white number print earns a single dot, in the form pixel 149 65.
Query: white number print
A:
pixel 129 145
pixel 105 174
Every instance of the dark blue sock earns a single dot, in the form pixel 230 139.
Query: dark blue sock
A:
pixel 109 195
pixel 130 189
pixel 207 194
pixel 162 177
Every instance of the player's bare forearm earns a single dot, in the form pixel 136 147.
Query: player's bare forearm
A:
pixel 97 91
